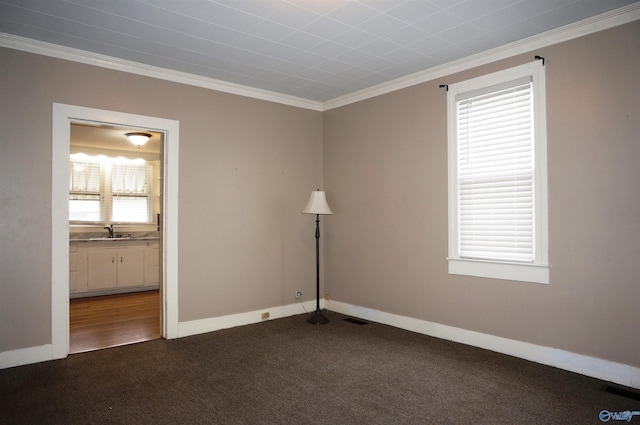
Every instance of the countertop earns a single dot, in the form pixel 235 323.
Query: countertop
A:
pixel 133 238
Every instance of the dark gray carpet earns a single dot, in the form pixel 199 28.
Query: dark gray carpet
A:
pixel 286 371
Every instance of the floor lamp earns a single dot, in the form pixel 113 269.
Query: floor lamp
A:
pixel 317 205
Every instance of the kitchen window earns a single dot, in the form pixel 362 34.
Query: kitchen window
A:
pixel 104 190
pixel 497 175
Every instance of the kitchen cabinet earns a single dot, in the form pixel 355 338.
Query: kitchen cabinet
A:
pixel 115 267
pixel 112 266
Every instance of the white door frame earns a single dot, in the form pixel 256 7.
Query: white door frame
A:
pixel 63 117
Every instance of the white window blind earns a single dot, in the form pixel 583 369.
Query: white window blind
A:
pixel 130 209
pixel 84 176
pixel 129 190
pixel 497 160
pixel 85 185
pixel 496 173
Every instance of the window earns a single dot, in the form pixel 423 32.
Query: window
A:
pixel 84 191
pixel 497 175
pixel 129 192
pixel 109 190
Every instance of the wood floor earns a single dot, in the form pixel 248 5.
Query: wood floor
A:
pixel 112 320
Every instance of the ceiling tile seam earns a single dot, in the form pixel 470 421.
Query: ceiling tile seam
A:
pixel 310 10
pixel 482 15
pixel 227 6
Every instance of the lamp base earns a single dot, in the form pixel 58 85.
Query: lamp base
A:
pixel 317 318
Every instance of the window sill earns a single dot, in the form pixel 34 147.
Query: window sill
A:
pixel 510 271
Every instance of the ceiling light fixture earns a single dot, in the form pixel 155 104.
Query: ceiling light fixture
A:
pixel 138 139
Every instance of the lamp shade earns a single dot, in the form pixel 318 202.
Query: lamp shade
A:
pixel 317 204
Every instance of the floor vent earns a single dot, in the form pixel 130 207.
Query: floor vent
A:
pixel 623 392
pixel 355 321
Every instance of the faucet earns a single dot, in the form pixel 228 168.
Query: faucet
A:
pixel 110 230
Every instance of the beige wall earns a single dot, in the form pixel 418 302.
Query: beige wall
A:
pixel 247 168
pixel 385 165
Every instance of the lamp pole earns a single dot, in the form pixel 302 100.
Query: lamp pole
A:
pixel 318 318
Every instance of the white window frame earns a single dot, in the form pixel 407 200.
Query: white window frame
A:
pixel 107 194
pixel 537 270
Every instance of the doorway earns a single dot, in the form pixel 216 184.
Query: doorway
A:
pixel 115 244
pixel 63 117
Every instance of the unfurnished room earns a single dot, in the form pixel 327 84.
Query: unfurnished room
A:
pixel 319 211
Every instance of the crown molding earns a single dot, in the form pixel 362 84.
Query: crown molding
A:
pixel 578 29
pixel 591 25
pixel 103 61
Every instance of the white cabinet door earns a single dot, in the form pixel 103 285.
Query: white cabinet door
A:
pixel 102 269
pixel 73 268
pixel 82 268
pixel 131 267
pixel 152 263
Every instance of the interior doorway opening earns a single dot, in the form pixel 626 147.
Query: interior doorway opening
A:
pixel 115 243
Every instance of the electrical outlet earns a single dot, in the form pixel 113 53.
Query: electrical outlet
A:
pixel 265 315
pixel 298 295
pixel 327 296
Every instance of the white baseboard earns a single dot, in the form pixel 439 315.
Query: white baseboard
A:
pixel 23 356
pixel 590 366
pixel 211 324
pixel 585 365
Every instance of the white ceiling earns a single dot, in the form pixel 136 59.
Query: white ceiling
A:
pixel 105 137
pixel 315 50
